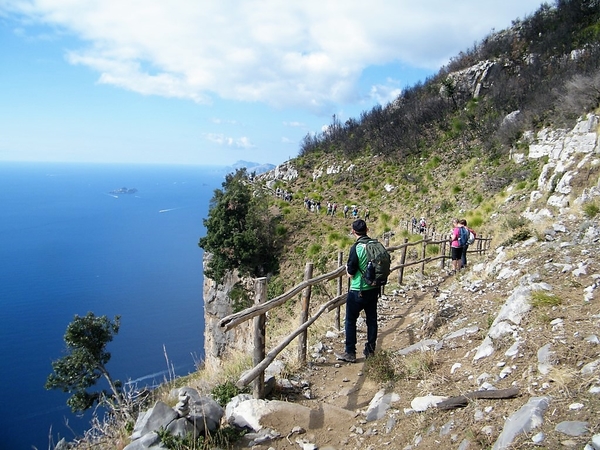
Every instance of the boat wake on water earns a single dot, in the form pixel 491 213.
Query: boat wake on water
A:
pixel 169 209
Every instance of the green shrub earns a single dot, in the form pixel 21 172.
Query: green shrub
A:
pixel 475 222
pixel 334 236
pixel 239 297
pixel 542 298
pixel 590 210
pixel 433 163
pixel 313 250
pixel 280 230
pixel 433 250
pixel 514 222
pixel 446 206
pixel 275 287
pixel 519 236
pixel 223 393
pixel 521 185
pixel 380 367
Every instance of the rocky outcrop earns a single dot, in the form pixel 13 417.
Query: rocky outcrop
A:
pixel 193 415
pixel 282 172
pixel 217 304
pixel 472 80
pixel 572 158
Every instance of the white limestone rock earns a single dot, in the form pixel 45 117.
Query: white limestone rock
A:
pixel 525 419
pixel 421 404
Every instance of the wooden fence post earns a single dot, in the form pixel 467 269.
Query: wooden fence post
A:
pixel 425 240
pixel 443 263
pixel 302 344
pixel 260 290
pixel 339 291
pixel 402 261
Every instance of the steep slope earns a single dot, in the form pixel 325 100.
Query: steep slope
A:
pixel 525 315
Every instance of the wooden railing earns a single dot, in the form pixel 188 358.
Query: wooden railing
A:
pixel 262 305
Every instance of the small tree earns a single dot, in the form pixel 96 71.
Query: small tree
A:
pixel 86 338
pixel 240 231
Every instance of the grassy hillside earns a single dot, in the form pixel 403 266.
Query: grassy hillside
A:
pixel 435 187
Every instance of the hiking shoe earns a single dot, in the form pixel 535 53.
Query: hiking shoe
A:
pixel 348 357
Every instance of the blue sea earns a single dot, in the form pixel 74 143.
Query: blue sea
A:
pixel 68 246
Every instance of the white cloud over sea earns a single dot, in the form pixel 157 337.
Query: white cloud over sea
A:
pixel 307 55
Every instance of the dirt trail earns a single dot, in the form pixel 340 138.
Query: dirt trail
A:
pixel 345 385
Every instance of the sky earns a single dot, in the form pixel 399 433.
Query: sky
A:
pixel 213 82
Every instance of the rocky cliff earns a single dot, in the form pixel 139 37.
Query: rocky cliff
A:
pixel 217 304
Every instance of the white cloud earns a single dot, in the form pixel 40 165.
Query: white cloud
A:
pixel 385 93
pixel 294 124
pixel 218 121
pixel 221 139
pixel 306 54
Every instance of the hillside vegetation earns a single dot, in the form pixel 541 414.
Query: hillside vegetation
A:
pixel 442 149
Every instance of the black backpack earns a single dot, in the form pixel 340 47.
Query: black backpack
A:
pixel 378 263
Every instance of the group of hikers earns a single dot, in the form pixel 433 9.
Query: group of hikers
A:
pixel 462 237
pixel 363 294
pixel 354 212
pixel 283 194
pixel 332 208
pixel 420 226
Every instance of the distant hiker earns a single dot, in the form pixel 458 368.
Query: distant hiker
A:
pixel 422 225
pixel 360 297
pixel 346 209
pixel 414 224
pixel 355 212
pixel 470 240
pixel 456 249
pixel 329 208
pixel 367 214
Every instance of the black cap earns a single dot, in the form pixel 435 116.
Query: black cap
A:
pixel 359 226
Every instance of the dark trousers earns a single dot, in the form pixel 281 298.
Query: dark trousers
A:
pixel 464 255
pixel 356 302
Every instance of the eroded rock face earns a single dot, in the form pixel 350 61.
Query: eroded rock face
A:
pixel 217 304
pixel 285 172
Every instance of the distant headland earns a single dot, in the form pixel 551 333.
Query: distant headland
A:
pixel 123 190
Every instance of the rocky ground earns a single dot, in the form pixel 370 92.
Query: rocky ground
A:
pixel 524 316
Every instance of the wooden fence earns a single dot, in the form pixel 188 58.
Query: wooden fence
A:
pixel 261 360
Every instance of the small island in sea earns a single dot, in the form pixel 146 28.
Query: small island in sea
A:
pixel 123 190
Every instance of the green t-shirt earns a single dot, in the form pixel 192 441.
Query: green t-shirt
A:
pixel 356 282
